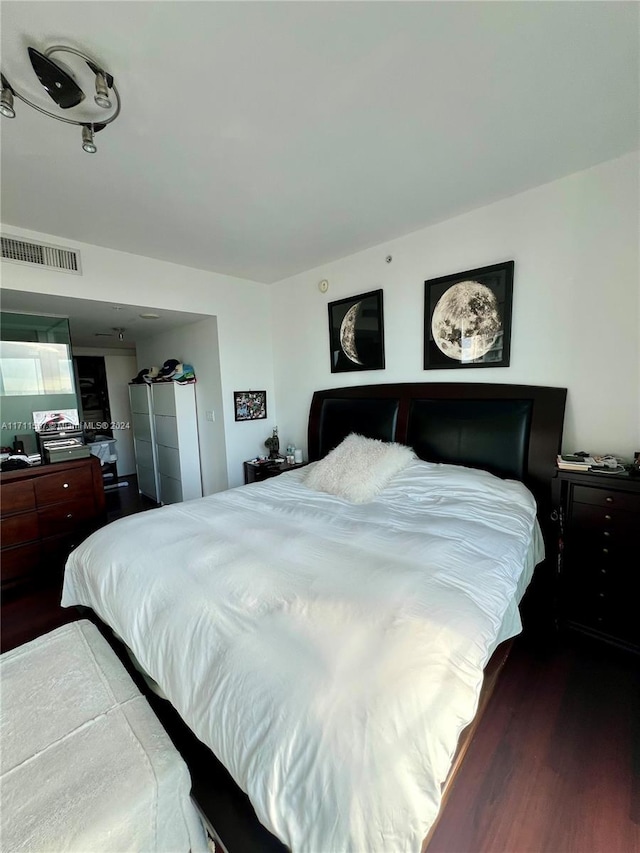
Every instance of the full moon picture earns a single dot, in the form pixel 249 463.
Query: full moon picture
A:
pixel 466 321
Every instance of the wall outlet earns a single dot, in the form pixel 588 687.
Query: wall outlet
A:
pixel 210 416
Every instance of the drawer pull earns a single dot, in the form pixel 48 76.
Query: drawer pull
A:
pixel 607 518
pixel 66 486
pixel 603 571
pixel 69 515
pixel 601 595
pixel 606 533
pixel 605 550
pixel 609 500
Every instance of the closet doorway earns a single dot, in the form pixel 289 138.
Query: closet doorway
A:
pixel 93 393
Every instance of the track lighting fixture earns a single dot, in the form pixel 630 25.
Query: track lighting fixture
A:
pixel 88 144
pixel 63 85
pixel 101 96
pixel 6 103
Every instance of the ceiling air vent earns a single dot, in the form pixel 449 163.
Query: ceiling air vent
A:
pixel 40 255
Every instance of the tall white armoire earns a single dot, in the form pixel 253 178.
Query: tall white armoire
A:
pixel 166 441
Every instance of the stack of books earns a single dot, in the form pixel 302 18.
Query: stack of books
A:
pixel 571 462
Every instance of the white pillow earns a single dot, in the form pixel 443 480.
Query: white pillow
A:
pixel 359 468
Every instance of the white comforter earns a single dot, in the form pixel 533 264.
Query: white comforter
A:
pixel 329 653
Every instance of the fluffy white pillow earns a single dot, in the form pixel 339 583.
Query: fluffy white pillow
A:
pixel 359 468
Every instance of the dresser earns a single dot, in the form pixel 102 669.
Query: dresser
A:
pixel 599 518
pixel 165 437
pixel 45 512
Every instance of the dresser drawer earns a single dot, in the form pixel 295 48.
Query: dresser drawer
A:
pixel 608 614
pixel 17 529
pixel 20 562
pixel 65 486
pixel 64 517
pixel 17 497
pixel 606 498
pixel 609 517
pixel 56 549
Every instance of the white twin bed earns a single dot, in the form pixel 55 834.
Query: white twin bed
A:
pixel 329 653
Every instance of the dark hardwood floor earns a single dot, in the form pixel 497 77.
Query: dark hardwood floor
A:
pixel 554 766
pixel 30 611
pixel 555 763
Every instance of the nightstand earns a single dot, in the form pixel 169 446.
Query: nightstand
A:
pixel 255 472
pixel 599 548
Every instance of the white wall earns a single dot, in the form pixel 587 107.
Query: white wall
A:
pixel 241 308
pixel 575 304
pixel 197 344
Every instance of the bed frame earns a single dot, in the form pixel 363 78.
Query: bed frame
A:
pixel 513 431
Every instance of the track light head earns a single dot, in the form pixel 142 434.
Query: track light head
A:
pixel 88 144
pixel 6 103
pixel 101 96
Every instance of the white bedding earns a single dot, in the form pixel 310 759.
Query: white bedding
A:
pixel 329 653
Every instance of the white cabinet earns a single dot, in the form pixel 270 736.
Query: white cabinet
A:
pixel 176 429
pixel 166 436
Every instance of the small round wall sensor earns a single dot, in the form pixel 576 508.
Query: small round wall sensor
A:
pixel 389 258
pixel 323 285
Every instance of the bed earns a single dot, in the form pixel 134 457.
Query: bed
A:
pixel 330 654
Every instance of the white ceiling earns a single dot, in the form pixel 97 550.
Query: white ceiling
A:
pixel 94 324
pixel 261 139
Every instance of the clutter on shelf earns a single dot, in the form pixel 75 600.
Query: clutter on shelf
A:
pixel 171 371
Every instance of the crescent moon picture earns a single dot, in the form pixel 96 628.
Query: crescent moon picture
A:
pixel 466 321
pixel 356 333
pixel 348 333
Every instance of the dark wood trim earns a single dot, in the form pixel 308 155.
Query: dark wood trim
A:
pixel 491 674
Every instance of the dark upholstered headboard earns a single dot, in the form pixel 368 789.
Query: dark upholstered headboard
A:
pixel 513 431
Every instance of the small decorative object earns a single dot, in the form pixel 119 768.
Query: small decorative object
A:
pixel 467 318
pixel 297 456
pixel 250 405
pixel 356 333
pixel 273 444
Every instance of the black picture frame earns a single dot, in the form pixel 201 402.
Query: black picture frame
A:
pixel 250 405
pixel 482 308
pixel 356 334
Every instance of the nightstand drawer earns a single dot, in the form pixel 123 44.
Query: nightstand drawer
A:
pixel 609 517
pixel 606 497
pixel 65 486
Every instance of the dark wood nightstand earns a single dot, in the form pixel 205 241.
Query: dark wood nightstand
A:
pixel 255 472
pixel 599 516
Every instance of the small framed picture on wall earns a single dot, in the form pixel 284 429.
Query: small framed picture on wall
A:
pixel 250 405
pixel 467 318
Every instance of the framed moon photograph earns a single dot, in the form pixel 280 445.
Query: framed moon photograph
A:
pixel 467 318
pixel 356 333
